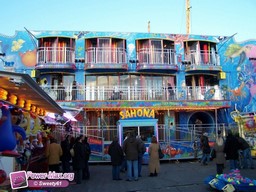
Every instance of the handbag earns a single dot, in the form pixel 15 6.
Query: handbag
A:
pixel 213 154
pixel 160 153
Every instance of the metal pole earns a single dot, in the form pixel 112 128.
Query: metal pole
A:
pixel 216 120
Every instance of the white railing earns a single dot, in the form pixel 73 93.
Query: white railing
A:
pixel 131 93
pixel 55 55
pixel 157 56
pixel 94 55
pixel 106 55
pixel 185 132
pixel 203 58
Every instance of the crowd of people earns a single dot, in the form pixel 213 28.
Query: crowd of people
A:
pixel 129 155
pixel 233 148
pixel 77 163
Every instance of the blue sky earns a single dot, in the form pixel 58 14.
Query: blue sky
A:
pixel 208 17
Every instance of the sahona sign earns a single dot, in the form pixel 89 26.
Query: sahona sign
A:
pixel 137 113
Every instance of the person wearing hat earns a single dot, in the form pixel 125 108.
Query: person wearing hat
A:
pixel 205 149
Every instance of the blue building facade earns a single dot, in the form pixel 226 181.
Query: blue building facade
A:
pixel 191 83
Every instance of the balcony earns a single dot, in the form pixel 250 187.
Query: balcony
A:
pixel 132 93
pixel 55 58
pixel 157 60
pixel 202 61
pixel 103 59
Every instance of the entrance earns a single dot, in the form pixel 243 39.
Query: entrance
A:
pixel 203 122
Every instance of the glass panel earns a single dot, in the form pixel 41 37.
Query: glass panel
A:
pixel 102 87
pixel 147 81
pixel 120 44
pixel 104 42
pixel 90 83
pixel 156 44
pixel 113 81
pixel 146 133
pixel 103 51
pixel 144 44
pixel 68 80
pixel 127 130
pixel 156 52
pixel 67 83
pixel 135 90
pixel 158 84
pixel 102 81
pixel 124 81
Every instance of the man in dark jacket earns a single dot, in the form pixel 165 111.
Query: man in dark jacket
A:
pixel 116 153
pixel 141 153
pixel 79 159
pixel 66 156
pixel 131 150
pixel 246 150
pixel 86 171
pixel 231 150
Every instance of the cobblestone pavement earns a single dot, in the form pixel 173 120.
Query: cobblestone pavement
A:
pixel 184 176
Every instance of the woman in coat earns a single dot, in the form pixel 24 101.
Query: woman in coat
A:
pixel 116 153
pixel 220 155
pixel 154 163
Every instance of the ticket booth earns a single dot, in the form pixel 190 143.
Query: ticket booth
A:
pixel 139 121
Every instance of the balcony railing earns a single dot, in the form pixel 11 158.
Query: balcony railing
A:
pixel 157 56
pixel 131 93
pixel 55 55
pixel 203 58
pixel 105 55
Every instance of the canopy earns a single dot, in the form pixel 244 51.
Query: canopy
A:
pixel 24 87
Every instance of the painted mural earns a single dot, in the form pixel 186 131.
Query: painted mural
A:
pixel 237 61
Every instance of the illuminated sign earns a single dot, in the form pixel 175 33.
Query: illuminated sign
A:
pixel 137 113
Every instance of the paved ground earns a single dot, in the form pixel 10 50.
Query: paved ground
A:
pixel 186 176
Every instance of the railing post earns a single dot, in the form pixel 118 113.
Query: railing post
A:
pixel 65 54
pixel 95 50
pixel 45 55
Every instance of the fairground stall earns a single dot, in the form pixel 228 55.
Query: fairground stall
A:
pixel 23 132
pixel 246 122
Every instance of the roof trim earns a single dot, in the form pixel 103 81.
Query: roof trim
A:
pixel 37 96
